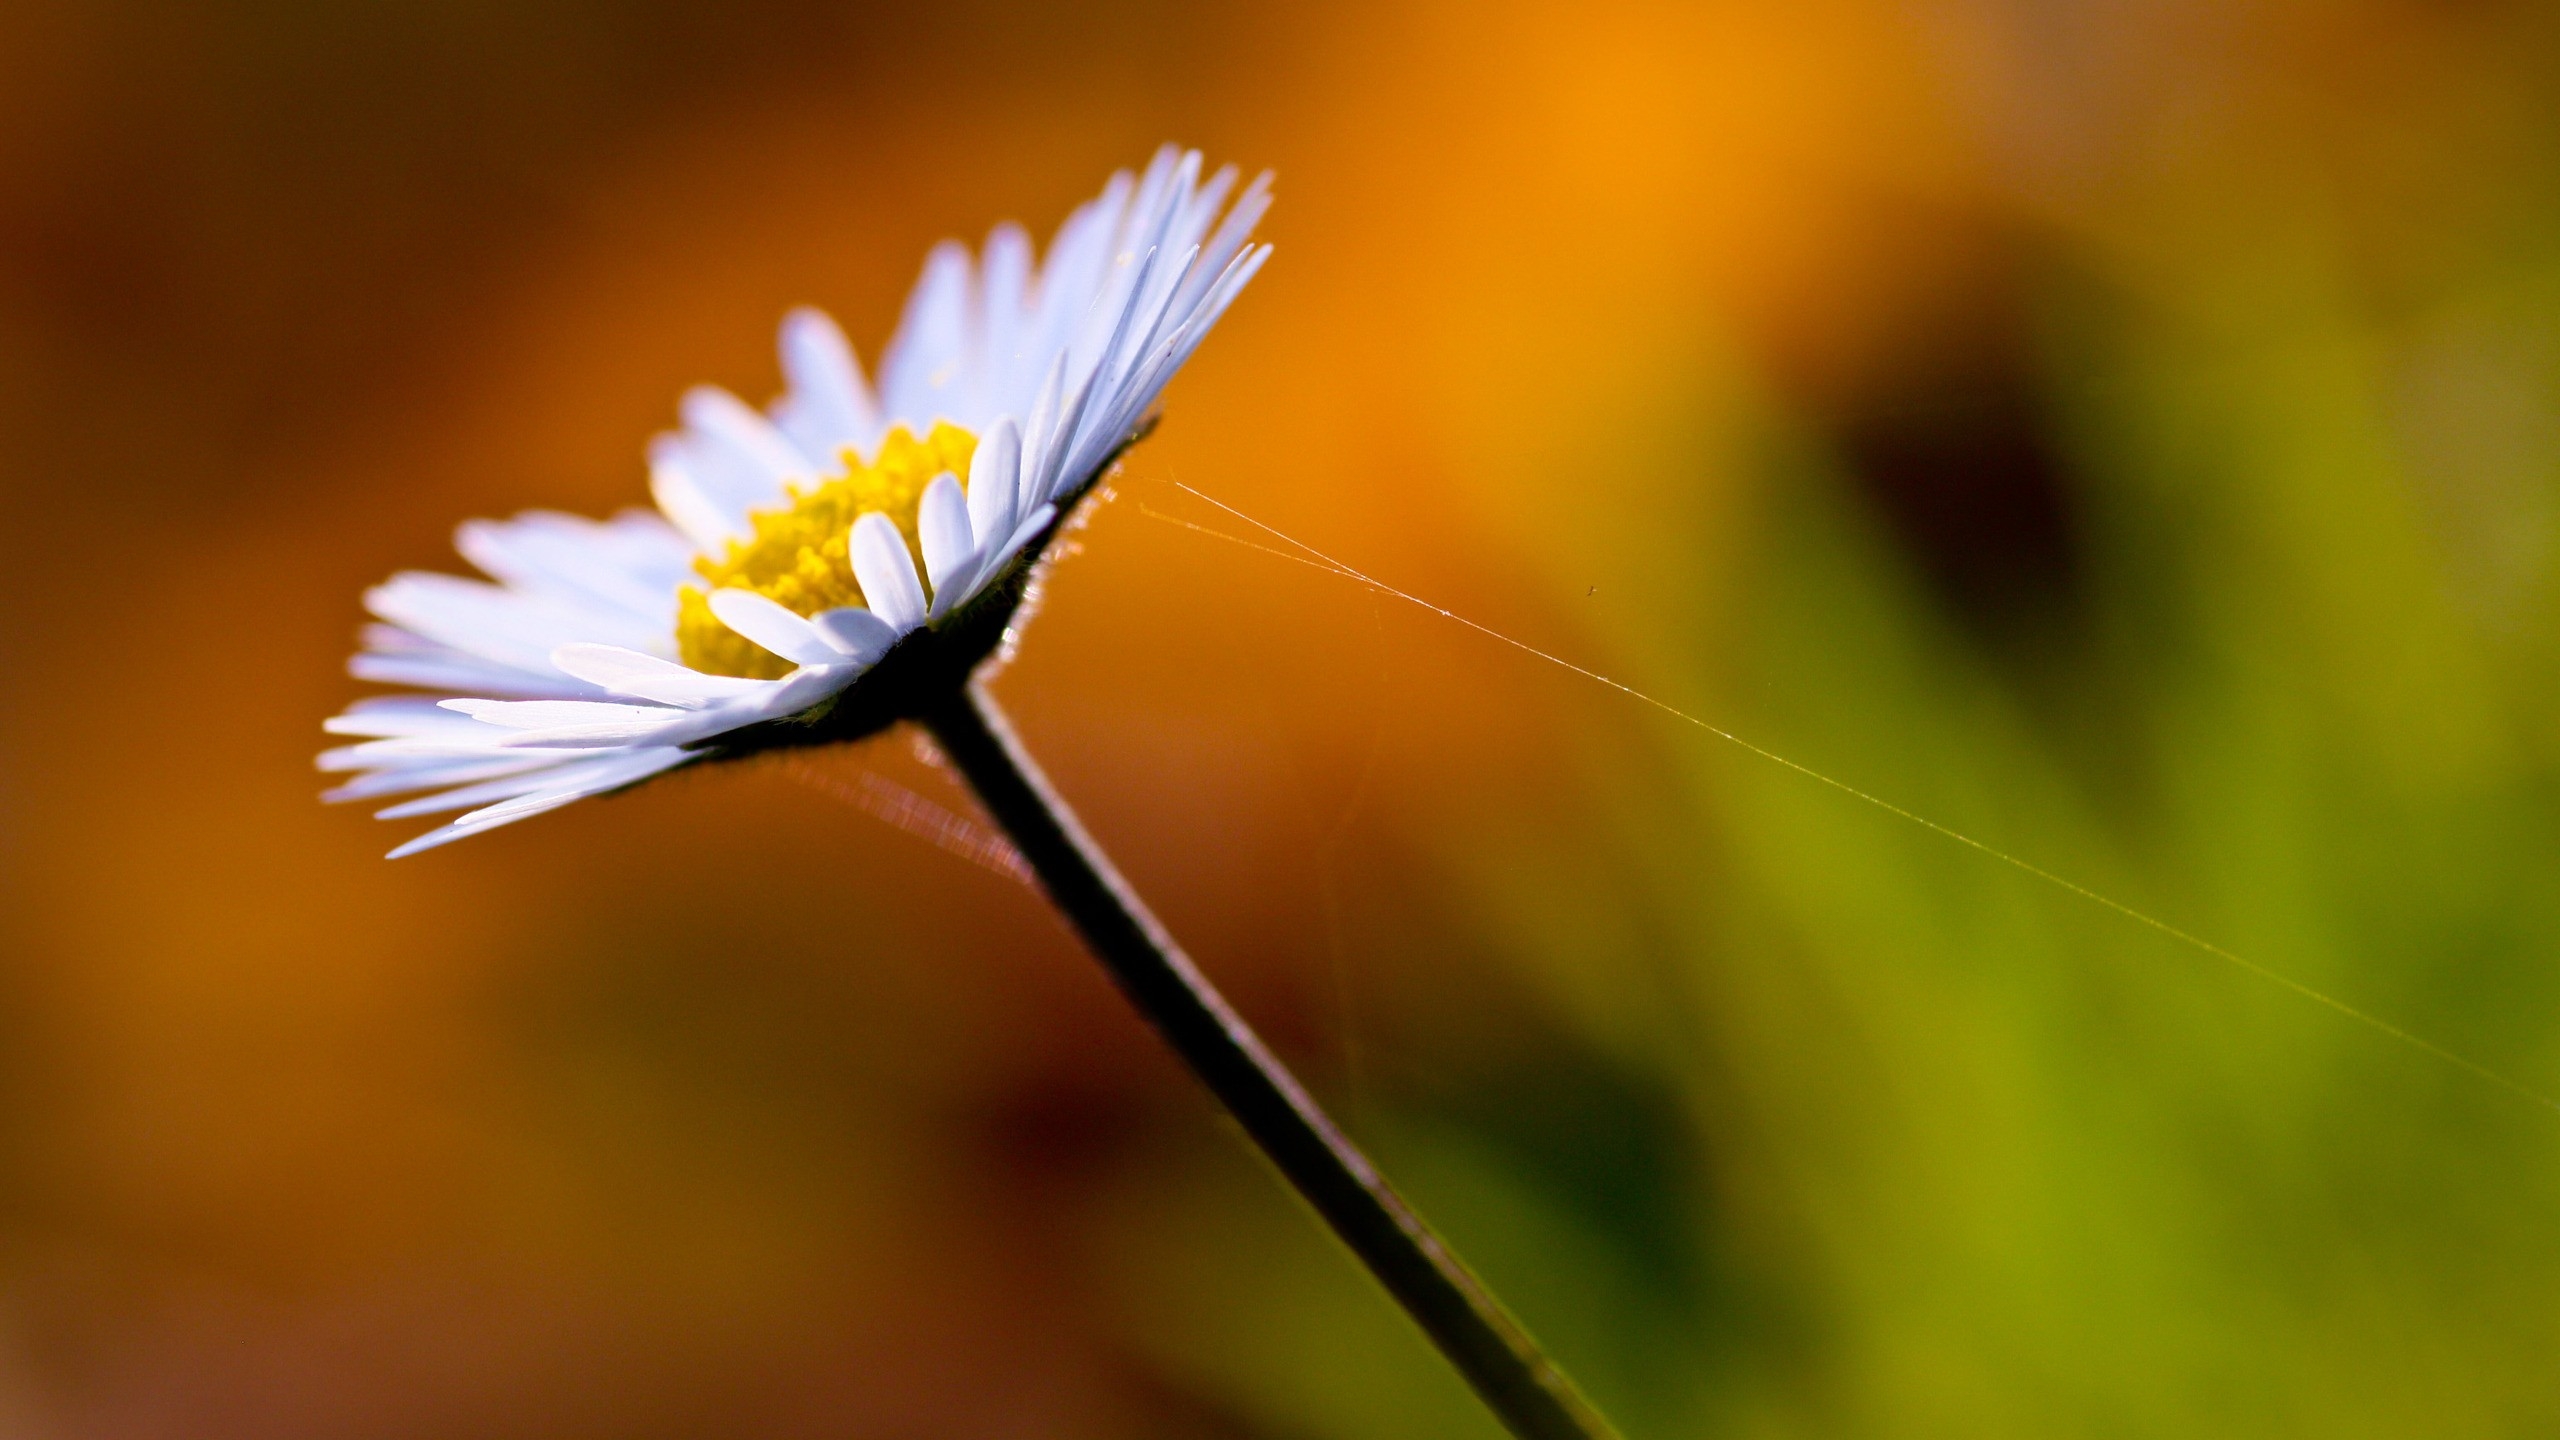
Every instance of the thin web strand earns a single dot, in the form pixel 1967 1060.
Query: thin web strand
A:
pixel 888 801
pixel 2366 1018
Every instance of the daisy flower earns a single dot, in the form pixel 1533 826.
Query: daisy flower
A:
pixel 818 570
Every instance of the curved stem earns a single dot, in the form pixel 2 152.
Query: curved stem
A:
pixel 1532 1397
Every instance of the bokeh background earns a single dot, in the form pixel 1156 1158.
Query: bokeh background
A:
pixel 2126 432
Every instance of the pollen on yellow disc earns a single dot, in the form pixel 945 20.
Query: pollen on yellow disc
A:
pixel 796 557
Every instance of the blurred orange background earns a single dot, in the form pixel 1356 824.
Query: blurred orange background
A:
pixel 2126 432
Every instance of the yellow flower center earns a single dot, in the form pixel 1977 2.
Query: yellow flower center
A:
pixel 796 557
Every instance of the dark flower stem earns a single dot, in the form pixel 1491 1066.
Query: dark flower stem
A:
pixel 1532 1397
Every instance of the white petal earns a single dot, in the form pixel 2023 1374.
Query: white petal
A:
pixel 942 527
pixel 773 700
pixel 1152 307
pixel 540 772
pixel 1223 247
pixel 1067 441
pixel 830 407
pixel 887 573
pixel 959 586
pixel 1040 436
pixel 545 714
pixel 1191 227
pixel 994 482
pixel 576 782
pixel 507 627
pixel 1142 387
pixel 768 624
pixel 931 346
pixel 1108 415
pixel 470 675
pixel 860 635
pixel 1003 286
pixel 727 428
pixel 643 544
pixel 579 560
pixel 610 735
pixel 388 716
pixel 733 482
pixel 788 696
pixel 1141 315
pixel 483 742
pixel 1077 259
pixel 426 775
pixel 573 782
pixel 1032 524
pixel 682 500
pixel 628 672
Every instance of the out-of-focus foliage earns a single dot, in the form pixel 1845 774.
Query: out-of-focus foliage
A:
pixel 2128 435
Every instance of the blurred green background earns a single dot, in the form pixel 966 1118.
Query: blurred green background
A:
pixel 2128 433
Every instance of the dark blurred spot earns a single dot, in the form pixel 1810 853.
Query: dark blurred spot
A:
pixel 1948 436
pixel 1178 1409
pixel 1056 1128
pixel 1609 1146
pixel 78 262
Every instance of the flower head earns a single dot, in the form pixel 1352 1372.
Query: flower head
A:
pixel 816 571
